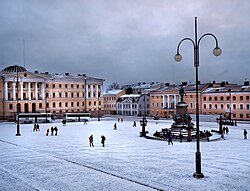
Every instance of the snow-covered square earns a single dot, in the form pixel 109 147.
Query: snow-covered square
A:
pixel 34 161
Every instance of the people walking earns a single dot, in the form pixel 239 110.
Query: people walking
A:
pixel 245 134
pixel 103 140
pixel 85 122
pixel 37 127
pixel 34 129
pixel 91 140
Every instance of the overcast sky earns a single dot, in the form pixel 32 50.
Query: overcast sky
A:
pixel 127 41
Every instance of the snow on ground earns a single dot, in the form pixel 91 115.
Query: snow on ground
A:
pixel 34 161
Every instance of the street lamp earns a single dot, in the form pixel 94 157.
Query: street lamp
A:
pixel 217 51
pixel 18 104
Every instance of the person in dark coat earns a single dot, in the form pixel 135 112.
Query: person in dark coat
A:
pixel 103 140
pixel 115 126
pixel 227 130
pixel 52 130
pixel 245 134
pixel 64 122
pixel 170 138
pixel 55 129
pixel 37 127
pixel 134 125
pixel 85 122
pixel 47 132
pixel 34 129
pixel 181 137
pixel 91 140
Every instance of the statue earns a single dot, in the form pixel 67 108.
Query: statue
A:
pixel 182 93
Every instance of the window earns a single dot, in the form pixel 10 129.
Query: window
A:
pixel 72 85
pixel 66 85
pixel 205 106
pixel 82 86
pixel 77 104
pixel 234 106
pixel 11 106
pixel 241 106
pixel 215 106
pixel 54 86
pixel 228 106
pixel 247 106
pixel 54 95
pixel 66 104
pixel 215 98
pixel 210 106
pixel 47 85
pixel 83 103
pixel 247 97
pixel 66 94
pixel 60 85
pixel 210 98
pixel 191 96
pixel 40 105
pixel 89 103
pixel 241 115
pixel 241 98
pixel 72 94
pixel 60 104
pixel 47 105
pixel 221 106
pixel 221 98
pixel 77 86
pixel 60 94
pixel 204 98
pixel 228 98
pixel 77 94
pixel 72 104
pixel 54 104
pixel 234 98
pixel 191 105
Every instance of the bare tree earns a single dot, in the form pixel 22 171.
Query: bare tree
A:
pixel 114 86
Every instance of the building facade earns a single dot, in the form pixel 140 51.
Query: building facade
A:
pixel 110 98
pixel 34 92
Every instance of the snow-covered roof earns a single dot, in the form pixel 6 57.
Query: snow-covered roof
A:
pixel 112 92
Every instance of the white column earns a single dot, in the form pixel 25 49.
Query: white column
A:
pixel 36 92
pixel 92 91
pixel 168 101
pixel 6 90
pixel 42 90
pixel 29 91
pixel 87 92
pixel 164 101
pixel 21 85
pixel 174 101
pixel 14 90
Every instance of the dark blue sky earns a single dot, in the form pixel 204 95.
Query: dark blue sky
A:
pixel 126 41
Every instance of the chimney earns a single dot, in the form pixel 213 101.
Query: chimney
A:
pixel 214 82
pixel 46 72
pixel 246 83
pixel 166 84
pixel 222 84
pixel 36 72
pixel 184 83
pixel 66 74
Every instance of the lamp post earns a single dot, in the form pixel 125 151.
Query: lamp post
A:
pixel 217 51
pixel 98 105
pixel 230 109
pixel 143 121
pixel 18 104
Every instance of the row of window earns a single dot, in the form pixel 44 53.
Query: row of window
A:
pixel 241 106
pixel 72 94
pixel 226 98
pixel 73 86
pixel 66 104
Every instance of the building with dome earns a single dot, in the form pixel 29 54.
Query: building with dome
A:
pixel 38 92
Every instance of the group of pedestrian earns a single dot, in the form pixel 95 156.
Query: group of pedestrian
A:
pixel 52 130
pixel 120 119
pixel 91 140
pixel 36 127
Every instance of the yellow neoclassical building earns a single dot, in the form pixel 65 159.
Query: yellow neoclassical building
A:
pixel 36 92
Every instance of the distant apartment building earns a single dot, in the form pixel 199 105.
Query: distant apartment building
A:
pixel 36 92
pixel 214 98
pixel 110 98
pixel 133 104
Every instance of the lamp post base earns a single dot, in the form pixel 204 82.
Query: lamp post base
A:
pixel 18 134
pixel 196 175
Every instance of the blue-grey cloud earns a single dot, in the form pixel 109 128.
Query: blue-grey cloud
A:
pixel 126 41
